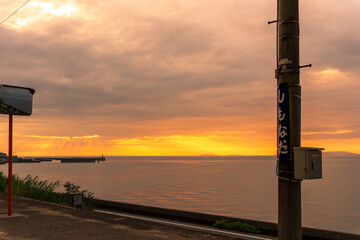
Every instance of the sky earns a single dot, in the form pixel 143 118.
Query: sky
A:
pixel 180 77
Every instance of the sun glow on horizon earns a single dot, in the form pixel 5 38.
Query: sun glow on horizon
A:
pixel 64 137
pixel 171 145
pixel 177 145
pixel 329 132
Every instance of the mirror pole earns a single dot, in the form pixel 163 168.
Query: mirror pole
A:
pixel 10 163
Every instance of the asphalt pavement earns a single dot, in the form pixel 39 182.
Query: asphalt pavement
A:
pixel 37 220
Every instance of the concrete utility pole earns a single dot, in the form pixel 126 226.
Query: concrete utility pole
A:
pixel 289 117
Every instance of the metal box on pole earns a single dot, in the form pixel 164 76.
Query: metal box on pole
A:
pixel 307 163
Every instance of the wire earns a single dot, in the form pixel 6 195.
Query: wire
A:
pixel 14 12
pixel 282 178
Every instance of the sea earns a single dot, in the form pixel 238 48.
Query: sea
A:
pixel 238 186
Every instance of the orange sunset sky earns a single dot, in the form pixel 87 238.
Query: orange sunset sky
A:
pixel 179 77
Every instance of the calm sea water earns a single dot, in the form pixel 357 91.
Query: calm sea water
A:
pixel 244 187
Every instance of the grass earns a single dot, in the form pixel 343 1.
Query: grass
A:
pixel 3 182
pixel 33 187
pixel 236 226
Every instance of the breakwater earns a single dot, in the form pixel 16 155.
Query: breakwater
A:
pixel 72 159
pixel 51 159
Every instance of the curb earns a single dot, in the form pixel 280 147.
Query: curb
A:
pixel 266 228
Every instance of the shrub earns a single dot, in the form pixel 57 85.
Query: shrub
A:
pixel 235 226
pixel 33 187
pixel 3 182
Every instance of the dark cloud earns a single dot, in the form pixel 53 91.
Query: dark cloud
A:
pixel 73 78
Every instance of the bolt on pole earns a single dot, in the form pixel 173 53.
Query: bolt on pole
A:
pixel 289 120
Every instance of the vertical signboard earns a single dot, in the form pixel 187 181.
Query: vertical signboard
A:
pixel 283 123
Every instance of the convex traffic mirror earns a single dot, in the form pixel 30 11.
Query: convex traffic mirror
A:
pixel 16 100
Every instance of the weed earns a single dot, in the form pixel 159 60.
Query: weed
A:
pixel 33 187
pixel 235 226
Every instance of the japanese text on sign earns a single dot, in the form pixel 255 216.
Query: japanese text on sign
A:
pixel 283 122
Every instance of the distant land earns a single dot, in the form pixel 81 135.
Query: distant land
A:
pixel 207 156
pixel 347 155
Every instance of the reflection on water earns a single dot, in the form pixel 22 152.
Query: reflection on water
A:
pixel 233 187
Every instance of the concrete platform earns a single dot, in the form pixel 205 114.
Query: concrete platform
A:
pixel 32 219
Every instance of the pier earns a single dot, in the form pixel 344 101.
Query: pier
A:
pixel 51 159
pixel 72 159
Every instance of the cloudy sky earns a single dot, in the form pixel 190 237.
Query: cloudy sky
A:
pixel 180 77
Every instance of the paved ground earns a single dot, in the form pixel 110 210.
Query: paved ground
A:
pixel 37 220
